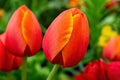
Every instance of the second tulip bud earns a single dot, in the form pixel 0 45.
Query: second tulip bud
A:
pixel 66 40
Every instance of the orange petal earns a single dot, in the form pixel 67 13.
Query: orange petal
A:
pixel 117 47
pixel 75 49
pixel 31 32
pixel 57 35
pixel 14 39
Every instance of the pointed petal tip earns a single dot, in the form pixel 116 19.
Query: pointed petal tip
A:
pixel 75 11
pixel 24 7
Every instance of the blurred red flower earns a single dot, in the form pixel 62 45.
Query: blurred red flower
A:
pixel 98 70
pixel 112 49
pixel 111 4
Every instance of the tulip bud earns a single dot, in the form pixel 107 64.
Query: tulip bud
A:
pixel 112 49
pixel 66 39
pixel 8 61
pixel 23 34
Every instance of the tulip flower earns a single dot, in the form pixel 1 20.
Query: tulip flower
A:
pixel 66 39
pixel 23 33
pixel 8 61
pixel 98 70
pixel 112 49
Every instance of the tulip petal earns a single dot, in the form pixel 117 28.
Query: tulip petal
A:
pixel 17 62
pixel 78 43
pixel 8 61
pixel 2 51
pixel 113 70
pixel 58 34
pixel 31 25
pixel 117 48
pixel 109 49
pixel 14 39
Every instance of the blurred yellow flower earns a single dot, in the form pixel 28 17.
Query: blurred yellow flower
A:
pixel 102 41
pixel 106 34
pixel 2 13
pixel 114 33
pixel 107 30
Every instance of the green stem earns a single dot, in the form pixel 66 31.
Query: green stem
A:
pixel 53 72
pixel 24 67
pixel 9 75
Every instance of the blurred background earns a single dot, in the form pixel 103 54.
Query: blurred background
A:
pixel 104 22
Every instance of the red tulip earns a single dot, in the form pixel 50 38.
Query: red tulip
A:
pixel 66 40
pixel 98 70
pixel 23 34
pixel 93 71
pixel 8 61
pixel 112 49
